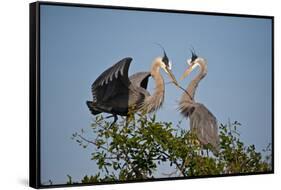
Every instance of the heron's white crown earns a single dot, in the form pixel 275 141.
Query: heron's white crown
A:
pixel 188 61
pixel 170 65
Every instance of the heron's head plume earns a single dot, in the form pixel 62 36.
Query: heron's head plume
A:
pixel 193 62
pixel 165 58
pixel 166 65
pixel 193 56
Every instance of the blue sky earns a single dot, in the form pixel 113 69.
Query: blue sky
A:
pixel 77 44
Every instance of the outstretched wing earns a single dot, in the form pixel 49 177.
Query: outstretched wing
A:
pixel 204 123
pixel 112 81
pixel 140 79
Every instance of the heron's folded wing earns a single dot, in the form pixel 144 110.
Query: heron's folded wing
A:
pixel 111 81
pixel 140 79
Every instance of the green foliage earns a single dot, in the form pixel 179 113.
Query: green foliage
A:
pixel 238 158
pixel 136 146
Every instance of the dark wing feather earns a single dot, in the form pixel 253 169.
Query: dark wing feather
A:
pixel 111 81
pixel 204 123
pixel 140 79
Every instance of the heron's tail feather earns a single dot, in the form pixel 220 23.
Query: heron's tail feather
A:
pixel 92 108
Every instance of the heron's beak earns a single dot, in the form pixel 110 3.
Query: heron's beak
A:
pixel 188 71
pixel 171 75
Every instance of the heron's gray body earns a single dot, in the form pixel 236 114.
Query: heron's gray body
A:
pixel 202 122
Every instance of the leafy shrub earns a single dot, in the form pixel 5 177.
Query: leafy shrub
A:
pixel 136 147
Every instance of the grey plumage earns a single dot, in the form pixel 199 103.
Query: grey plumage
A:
pixel 115 93
pixel 202 122
pixel 140 79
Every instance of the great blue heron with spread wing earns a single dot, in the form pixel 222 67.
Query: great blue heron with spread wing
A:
pixel 115 93
pixel 202 122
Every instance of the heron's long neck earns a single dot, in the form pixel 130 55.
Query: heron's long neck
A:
pixel 159 81
pixel 194 83
pixel 154 102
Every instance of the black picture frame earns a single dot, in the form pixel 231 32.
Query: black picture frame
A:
pixel 34 90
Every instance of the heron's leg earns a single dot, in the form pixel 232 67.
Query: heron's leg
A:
pixel 127 120
pixel 115 118
pixel 114 121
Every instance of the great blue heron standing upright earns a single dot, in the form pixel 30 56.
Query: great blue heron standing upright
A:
pixel 202 122
pixel 115 93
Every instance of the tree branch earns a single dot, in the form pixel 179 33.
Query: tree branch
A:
pixel 180 168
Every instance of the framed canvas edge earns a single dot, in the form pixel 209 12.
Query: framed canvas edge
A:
pixel 34 91
pixel 152 9
pixel 34 96
pixel 272 91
